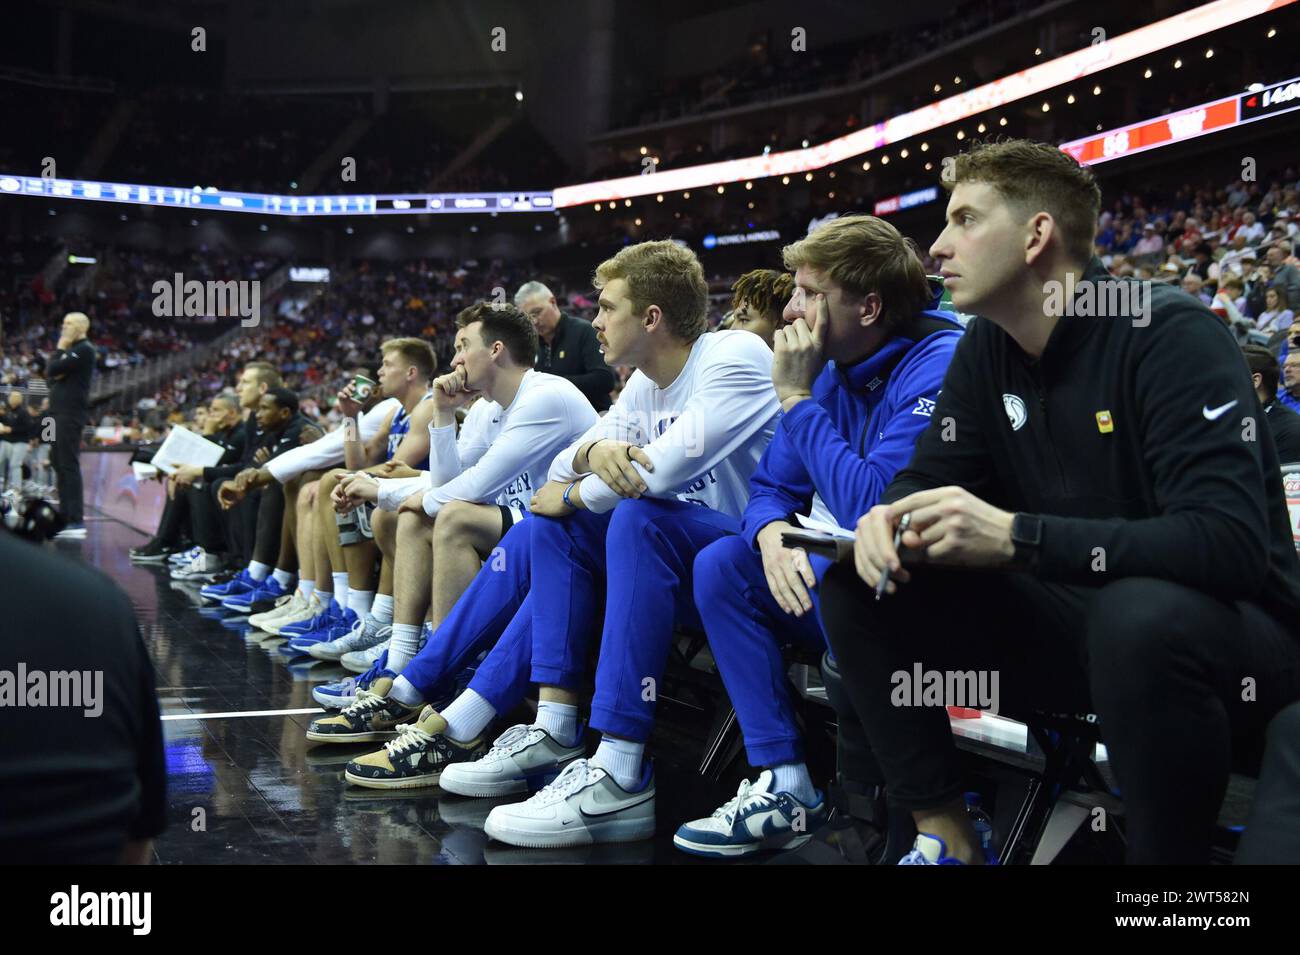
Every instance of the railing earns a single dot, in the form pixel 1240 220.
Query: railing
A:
pixel 134 381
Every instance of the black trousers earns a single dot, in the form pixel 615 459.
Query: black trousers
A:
pixel 66 459
pixel 174 526
pixel 270 515
pixel 1181 682
pixel 207 520
pixel 1272 834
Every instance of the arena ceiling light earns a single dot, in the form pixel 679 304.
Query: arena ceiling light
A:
pixel 1034 81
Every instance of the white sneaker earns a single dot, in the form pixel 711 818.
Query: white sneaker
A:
pixel 290 603
pixel 310 607
pixel 365 633
pixel 523 758
pixel 359 661
pixel 581 807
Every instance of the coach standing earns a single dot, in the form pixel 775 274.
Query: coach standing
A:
pixel 69 372
pixel 566 346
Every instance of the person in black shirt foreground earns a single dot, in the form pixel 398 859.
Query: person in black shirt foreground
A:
pixel 82 776
pixel 566 346
pixel 1097 517
pixel 69 372
pixel 1282 421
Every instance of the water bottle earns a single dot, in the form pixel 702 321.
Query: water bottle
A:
pixel 982 823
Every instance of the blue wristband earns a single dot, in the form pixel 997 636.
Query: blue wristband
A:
pixel 567 502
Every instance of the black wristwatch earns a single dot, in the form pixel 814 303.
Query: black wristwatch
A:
pixel 1027 537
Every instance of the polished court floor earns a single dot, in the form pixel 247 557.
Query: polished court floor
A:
pixel 245 786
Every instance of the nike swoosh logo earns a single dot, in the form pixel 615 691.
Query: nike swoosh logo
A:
pixel 592 815
pixel 1213 413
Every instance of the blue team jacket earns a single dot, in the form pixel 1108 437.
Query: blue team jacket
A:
pixel 858 429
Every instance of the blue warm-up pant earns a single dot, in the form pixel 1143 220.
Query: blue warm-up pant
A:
pixel 493 610
pixel 642 554
pixel 746 630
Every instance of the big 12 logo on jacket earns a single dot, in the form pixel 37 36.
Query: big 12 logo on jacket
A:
pixel 1291 485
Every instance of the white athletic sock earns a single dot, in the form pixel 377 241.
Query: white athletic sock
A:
pixel 468 716
pixel 341 589
pixel 325 598
pixel 404 692
pixel 359 601
pixel 258 571
pixel 404 645
pixel 283 577
pixel 793 778
pixel 621 758
pixel 560 720
pixel 307 587
pixel 382 608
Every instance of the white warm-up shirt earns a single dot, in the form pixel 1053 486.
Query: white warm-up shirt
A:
pixel 327 450
pixel 502 454
pixel 705 432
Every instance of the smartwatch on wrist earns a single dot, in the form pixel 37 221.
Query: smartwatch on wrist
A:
pixel 1027 538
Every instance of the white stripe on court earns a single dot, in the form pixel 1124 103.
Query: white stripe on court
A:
pixel 232 715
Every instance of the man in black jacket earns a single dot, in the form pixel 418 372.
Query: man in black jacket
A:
pixel 1282 421
pixel 1096 518
pixel 69 372
pixel 566 346
pixel 17 428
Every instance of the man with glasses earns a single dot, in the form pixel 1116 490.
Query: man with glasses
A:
pixel 566 346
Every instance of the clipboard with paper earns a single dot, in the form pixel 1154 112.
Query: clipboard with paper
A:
pixel 183 446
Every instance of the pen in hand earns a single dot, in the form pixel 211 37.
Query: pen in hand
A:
pixel 898 540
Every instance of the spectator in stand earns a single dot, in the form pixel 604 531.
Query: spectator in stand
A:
pixel 1289 394
pixel 1152 242
pixel 1283 271
pixel 1251 228
pixel 1277 316
pixel 1194 287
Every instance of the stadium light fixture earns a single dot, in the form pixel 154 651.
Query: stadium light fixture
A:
pixel 1209 54
pixel 866 166
pixel 519 96
pixel 808 177
pixel 1272 32
pixel 598 207
pixel 1070 99
pixel 644 150
pixel 659 198
pixel 1147 74
pixel 1002 121
pixel 902 154
pixel 721 190
pixel 979 128
pixel 1096 90
pixel 925 147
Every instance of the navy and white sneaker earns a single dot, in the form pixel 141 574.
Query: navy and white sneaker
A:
pixel 752 820
pixel 583 806
pixel 522 759
pixel 336 696
pixel 184 557
pixel 261 597
pixel 241 583
pixel 363 635
pixel 372 718
pixel 929 850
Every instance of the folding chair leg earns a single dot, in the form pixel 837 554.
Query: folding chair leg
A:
pixel 722 747
pixel 1063 822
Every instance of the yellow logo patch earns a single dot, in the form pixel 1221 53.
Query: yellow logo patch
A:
pixel 1105 423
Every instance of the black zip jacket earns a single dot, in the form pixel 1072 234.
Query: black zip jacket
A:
pixel 69 373
pixel 1147 441
pixel 244 439
pixel 574 353
pixel 21 422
